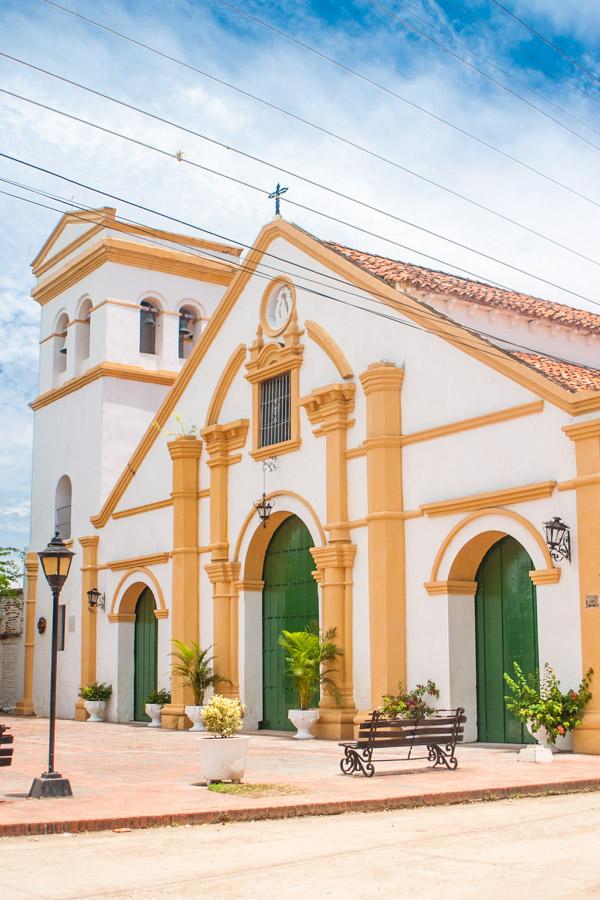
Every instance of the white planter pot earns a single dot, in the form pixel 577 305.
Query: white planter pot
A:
pixel 541 735
pixel 96 709
pixel 194 714
pixel 153 710
pixel 303 720
pixel 223 759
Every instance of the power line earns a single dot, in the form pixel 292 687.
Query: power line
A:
pixel 548 43
pixel 310 209
pixel 473 67
pixel 267 103
pixel 370 296
pixel 277 166
pixel 498 68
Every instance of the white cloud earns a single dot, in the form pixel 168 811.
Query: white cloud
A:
pixel 311 88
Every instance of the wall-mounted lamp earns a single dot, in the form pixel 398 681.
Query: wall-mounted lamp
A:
pixel 96 599
pixel 558 539
pixel 264 507
pixel 41 625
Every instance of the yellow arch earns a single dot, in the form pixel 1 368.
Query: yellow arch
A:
pixel 466 562
pixel 123 610
pixel 227 375
pixel 260 540
pixel 327 344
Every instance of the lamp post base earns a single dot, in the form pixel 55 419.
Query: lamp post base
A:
pixel 50 784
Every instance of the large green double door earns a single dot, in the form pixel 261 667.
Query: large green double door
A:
pixel 145 653
pixel 290 602
pixel 506 631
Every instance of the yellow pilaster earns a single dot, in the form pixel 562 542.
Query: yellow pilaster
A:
pixel 25 705
pixel 382 384
pixel 221 441
pixel 330 409
pixel 89 580
pixel 586 739
pixel 185 613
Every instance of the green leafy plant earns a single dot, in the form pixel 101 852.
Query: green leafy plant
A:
pixel 541 702
pixel 161 697
pixel 11 571
pixel 410 704
pixel 222 716
pixel 98 690
pixel 306 652
pixel 195 668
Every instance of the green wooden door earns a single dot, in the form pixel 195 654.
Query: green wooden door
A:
pixel 506 629
pixel 290 602
pixel 145 653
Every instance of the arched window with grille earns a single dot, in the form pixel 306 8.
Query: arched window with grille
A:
pixel 190 326
pixel 62 507
pixel 149 313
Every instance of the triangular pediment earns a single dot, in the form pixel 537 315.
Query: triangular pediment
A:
pixel 73 230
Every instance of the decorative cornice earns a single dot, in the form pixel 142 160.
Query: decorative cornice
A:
pixel 185 447
pixel 545 576
pixel 451 588
pixel 90 540
pixel 223 571
pixel 505 497
pixel 583 430
pixel 330 407
pixel 382 376
pixel 131 253
pixel 221 439
pixel 333 556
pixel 501 415
pixel 135 562
pixel 580 481
pixel 161 613
pixel 249 585
pixel 104 370
pixel 271 360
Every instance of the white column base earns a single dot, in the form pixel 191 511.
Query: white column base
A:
pixel 536 754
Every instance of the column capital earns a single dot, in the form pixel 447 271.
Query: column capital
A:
pixel 333 556
pixel 185 447
pixel 32 562
pixel 583 430
pixel 220 439
pixel 330 406
pixel 223 570
pixel 382 376
pixel 90 540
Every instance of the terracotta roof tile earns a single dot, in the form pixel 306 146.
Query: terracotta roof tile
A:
pixel 568 375
pixel 422 279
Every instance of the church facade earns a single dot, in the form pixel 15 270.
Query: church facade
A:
pixel 405 433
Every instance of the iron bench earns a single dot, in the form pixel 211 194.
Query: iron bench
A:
pixel 439 733
pixel 6 746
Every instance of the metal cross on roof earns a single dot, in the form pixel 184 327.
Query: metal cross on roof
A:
pixel 276 195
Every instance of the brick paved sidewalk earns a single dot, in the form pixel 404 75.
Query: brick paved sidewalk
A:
pixel 132 776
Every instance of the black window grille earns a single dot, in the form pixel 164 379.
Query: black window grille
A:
pixel 275 410
pixel 62 611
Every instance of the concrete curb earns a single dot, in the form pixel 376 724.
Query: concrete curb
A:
pixel 324 808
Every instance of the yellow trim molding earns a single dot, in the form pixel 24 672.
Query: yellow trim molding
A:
pixel 545 576
pixel 466 562
pixel 146 507
pixel 501 415
pixel 24 706
pixel 323 339
pixel 104 370
pixel 89 618
pixel 136 562
pixel 138 255
pixel 506 496
pixel 451 588
pixel 231 369
pixel 581 481
pixel 123 609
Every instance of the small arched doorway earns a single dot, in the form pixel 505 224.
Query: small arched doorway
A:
pixel 145 653
pixel 506 632
pixel 290 602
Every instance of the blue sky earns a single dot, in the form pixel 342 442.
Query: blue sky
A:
pixel 229 46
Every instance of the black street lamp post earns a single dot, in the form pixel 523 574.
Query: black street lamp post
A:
pixel 56 562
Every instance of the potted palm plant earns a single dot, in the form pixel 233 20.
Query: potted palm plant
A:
pixel 154 704
pixel 223 754
pixel 306 653
pixel 195 668
pixel 95 697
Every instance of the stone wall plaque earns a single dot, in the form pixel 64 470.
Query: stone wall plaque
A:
pixel 592 600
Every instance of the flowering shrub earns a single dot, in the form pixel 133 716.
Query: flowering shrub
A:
pixel 542 703
pixel 96 691
pixel 222 716
pixel 410 704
